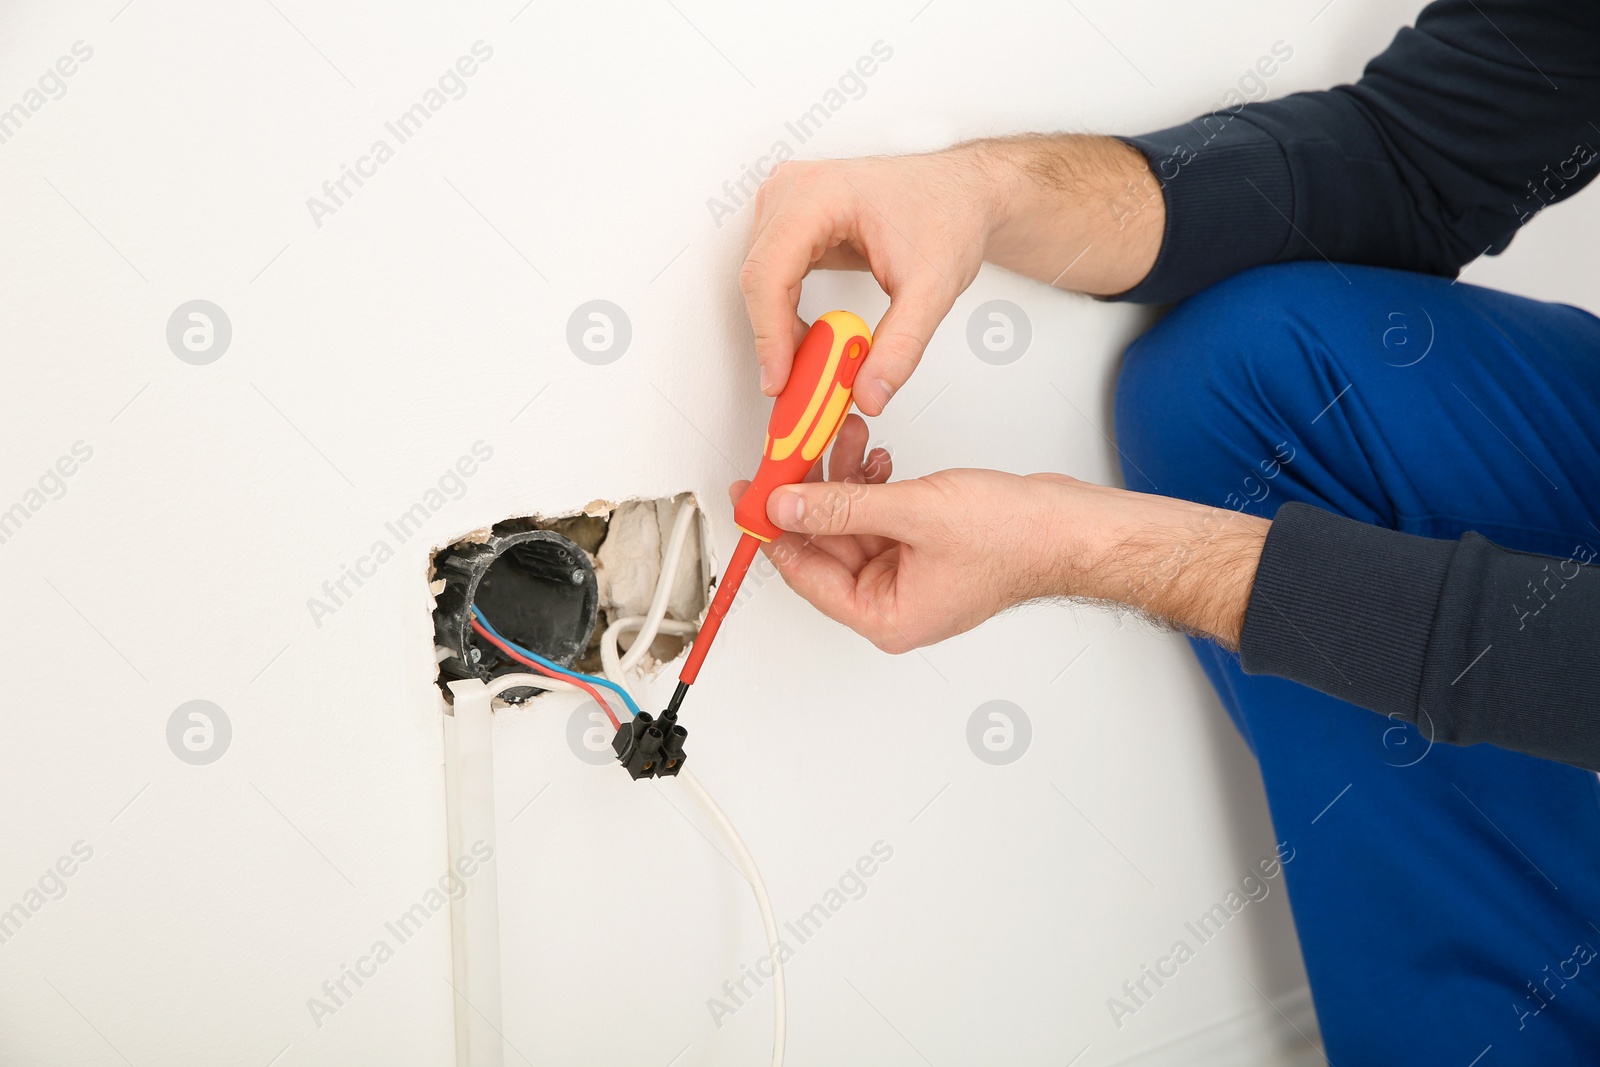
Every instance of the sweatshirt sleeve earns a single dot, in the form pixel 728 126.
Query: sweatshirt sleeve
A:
pixel 1455 136
pixel 1470 641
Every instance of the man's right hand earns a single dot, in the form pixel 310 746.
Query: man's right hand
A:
pixel 1077 211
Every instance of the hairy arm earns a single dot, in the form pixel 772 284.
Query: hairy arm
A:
pixel 910 563
pixel 1181 564
pixel 1075 211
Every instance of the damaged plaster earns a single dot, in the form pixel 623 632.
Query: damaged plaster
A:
pixel 629 563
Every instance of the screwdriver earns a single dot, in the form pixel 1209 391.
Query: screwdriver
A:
pixel 804 420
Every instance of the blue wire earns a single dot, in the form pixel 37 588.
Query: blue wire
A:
pixel 568 671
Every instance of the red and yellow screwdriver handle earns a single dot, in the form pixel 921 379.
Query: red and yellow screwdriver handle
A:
pixel 806 415
pixel 805 418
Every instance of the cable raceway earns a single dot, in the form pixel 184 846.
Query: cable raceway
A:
pixel 616 665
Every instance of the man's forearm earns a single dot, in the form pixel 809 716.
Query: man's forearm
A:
pixel 1185 564
pixel 1076 211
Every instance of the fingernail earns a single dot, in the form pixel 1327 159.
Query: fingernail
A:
pixel 791 510
pixel 875 391
pixel 766 379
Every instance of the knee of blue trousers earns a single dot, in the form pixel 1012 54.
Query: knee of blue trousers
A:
pixel 1206 399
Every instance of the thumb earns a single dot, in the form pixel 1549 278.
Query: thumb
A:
pixel 826 508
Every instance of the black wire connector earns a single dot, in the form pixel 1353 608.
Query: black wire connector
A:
pixel 650 747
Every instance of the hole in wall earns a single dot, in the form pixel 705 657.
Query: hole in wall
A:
pixel 553 585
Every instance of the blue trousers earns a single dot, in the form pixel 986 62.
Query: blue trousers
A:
pixel 1447 898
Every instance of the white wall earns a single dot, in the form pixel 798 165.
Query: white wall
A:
pixel 429 313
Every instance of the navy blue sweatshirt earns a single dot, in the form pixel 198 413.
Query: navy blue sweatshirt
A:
pixel 1461 131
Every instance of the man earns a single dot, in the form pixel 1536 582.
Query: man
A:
pixel 1375 484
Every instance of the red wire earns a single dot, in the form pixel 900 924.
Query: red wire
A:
pixel 478 629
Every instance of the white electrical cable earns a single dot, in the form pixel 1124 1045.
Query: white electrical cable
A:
pixel 611 662
pixel 670 556
pixel 502 682
pixel 616 668
pixel 769 922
